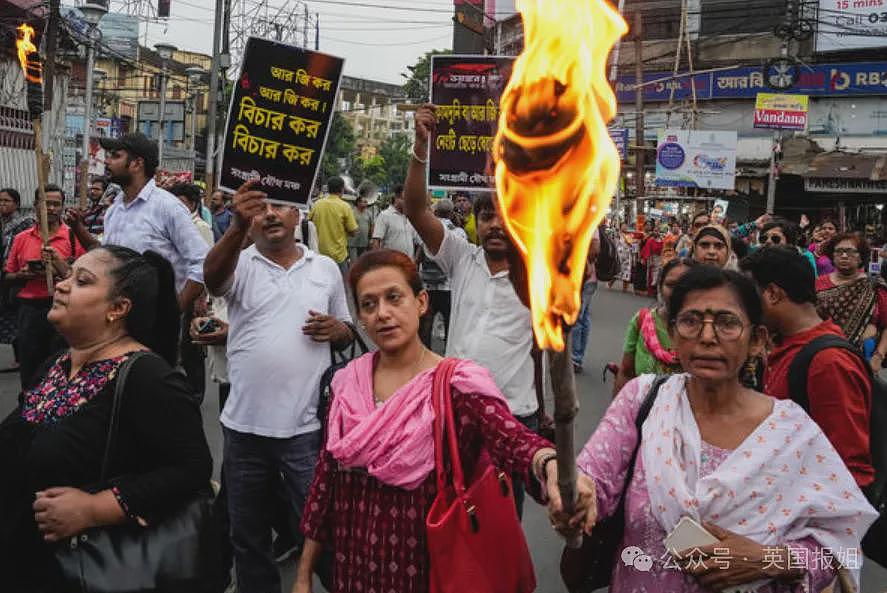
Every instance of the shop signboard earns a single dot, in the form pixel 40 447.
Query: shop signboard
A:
pixel 696 158
pixel 851 24
pixel 781 112
pixel 815 80
pixel 620 139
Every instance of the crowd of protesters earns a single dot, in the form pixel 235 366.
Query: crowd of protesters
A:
pixel 743 399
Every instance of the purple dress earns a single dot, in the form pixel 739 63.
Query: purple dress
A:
pixel 606 457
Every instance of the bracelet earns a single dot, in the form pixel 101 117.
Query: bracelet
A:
pixel 416 156
pixel 541 472
pixel 878 354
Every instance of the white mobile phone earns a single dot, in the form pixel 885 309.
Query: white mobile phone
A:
pixel 688 534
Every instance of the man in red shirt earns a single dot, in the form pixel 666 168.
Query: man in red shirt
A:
pixel 26 263
pixel 839 387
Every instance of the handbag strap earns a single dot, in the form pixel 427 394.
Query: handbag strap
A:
pixel 119 385
pixel 443 422
pixel 643 412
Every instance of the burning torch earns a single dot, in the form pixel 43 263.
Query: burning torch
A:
pixel 556 171
pixel 32 68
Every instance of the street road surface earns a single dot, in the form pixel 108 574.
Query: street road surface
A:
pixel 611 311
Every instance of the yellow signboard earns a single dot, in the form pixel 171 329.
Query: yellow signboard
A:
pixel 781 112
pixel 775 101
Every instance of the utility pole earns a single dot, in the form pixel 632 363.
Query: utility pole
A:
pixel 639 154
pixel 52 29
pixel 212 116
pixel 614 75
pixel 305 29
pixel 317 32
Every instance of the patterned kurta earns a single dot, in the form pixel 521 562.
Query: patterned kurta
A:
pixel 606 456
pixel 376 531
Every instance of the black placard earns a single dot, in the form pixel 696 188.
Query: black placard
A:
pixel 466 90
pixel 279 119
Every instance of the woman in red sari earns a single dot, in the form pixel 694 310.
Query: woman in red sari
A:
pixel 375 482
pixel 853 300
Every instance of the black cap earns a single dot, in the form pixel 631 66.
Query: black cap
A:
pixel 136 144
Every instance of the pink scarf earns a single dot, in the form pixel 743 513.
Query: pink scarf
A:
pixel 651 339
pixel 394 442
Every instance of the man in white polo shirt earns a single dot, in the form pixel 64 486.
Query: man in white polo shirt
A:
pixel 286 304
pixel 392 230
pixel 488 322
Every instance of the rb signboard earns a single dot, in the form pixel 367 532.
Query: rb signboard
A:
pixel 781 112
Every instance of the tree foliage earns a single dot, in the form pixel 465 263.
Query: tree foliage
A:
pixel 340 147
pixel 417 86
pixel 395 152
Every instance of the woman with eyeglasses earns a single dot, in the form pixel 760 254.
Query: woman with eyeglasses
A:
pixel 781 232
pixel 756 473
pixel 852 299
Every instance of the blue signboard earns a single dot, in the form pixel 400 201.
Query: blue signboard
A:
pixel 818 80
pixel 660 90
pixel 620 138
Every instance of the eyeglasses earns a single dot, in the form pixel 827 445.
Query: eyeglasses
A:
pixel 727 326
pixel 846 251
pixel 772 238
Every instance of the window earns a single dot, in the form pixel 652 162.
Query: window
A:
pixel 725 17
pixel 662 18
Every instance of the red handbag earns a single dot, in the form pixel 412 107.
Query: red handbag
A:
pixel 475 541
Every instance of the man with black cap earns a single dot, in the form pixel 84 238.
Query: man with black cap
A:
pixel 145 217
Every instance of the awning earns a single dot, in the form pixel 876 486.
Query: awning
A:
pixel 849 165
pixel 847 173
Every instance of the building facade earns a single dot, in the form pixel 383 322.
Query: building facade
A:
pixel 371 107
pixel 736 54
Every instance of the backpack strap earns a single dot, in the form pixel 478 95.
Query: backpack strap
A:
pixel 799 368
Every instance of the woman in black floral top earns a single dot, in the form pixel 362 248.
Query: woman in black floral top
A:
pixel 115 302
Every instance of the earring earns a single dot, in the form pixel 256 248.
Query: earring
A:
pixel 111 319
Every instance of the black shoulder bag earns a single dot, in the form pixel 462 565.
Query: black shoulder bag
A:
pixel 177 554
pixel 590 567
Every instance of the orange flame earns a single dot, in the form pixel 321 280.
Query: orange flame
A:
pixel 556 165
pixel 33 69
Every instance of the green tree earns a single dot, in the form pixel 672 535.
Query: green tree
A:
pixel 395 151
pixel 340 147
pixel 374 169
pixel 417 87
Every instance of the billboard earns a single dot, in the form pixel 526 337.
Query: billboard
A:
pixel 696 158
pixel 120 32
pixel 851 24
pixel 781 112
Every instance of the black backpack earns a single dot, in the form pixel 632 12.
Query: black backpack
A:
pixel 875 542
pixel 607 263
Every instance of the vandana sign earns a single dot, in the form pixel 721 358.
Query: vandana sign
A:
pixel 781 112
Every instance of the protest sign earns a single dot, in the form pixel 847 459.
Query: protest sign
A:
pixel 466 90
pixel 279 119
